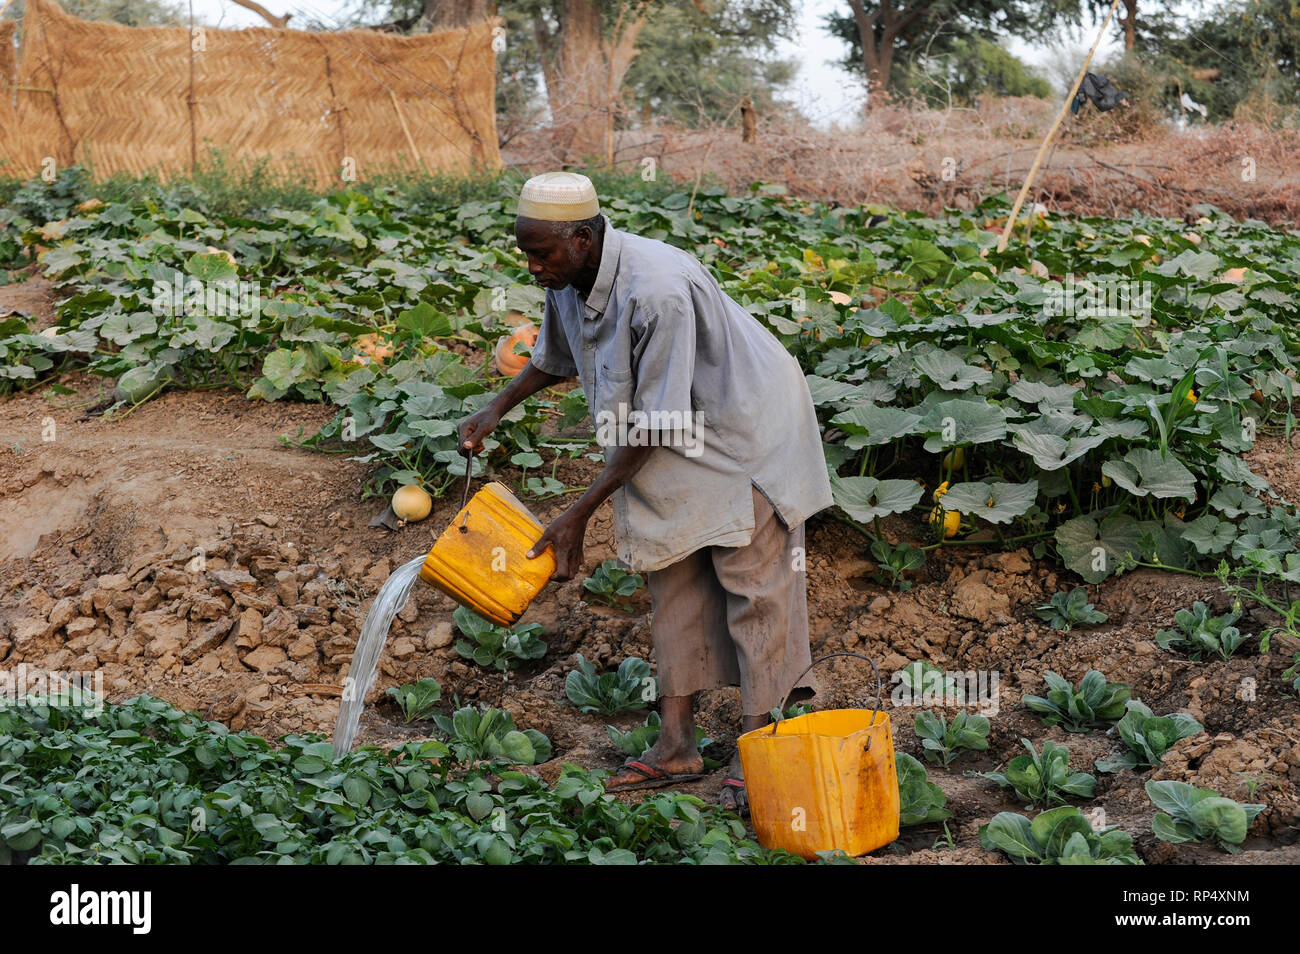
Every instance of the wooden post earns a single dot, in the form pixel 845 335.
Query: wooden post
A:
pixel 410 140
pixel 336 110
pixel 1042 150
pixel 194 145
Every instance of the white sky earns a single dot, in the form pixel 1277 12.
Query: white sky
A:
pixel 823 92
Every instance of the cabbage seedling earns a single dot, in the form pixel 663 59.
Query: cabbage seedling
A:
pixel 1199 814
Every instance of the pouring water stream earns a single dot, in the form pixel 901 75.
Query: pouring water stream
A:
pixel 370 645
pixel 374 634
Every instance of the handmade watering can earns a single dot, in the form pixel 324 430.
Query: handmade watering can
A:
pixel 480 562
pixel 824 780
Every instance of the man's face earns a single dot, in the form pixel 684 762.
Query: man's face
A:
pixel 553 261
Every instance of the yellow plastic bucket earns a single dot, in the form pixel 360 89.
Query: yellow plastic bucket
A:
pixel 479 561
pixel 823 781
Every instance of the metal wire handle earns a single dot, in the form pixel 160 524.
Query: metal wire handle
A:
pixel 464 498
pixel 879 684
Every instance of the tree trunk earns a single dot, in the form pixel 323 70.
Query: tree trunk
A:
pixel 584 70
pixel 876 80
pixel 619 57
pixel 878 55
pixel 1130 23
pixel 577 101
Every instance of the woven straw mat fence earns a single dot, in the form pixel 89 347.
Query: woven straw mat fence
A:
pixel 330 105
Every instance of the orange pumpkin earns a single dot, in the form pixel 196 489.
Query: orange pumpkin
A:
pixel 372 348
pixel 504 357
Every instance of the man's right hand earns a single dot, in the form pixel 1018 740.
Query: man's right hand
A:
pixel 474 428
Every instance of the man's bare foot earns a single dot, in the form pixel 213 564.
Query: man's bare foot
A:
pixel 660 764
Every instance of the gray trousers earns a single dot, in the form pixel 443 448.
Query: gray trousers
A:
pixel 735 616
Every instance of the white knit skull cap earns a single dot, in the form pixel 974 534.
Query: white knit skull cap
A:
pixel 558 197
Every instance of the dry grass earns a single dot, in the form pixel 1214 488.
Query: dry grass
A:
pixel 1103 164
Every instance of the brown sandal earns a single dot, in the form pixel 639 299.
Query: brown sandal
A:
pixel 652 776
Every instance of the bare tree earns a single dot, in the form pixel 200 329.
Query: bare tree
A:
pixel 584 61
pixel 878 44
pixel 265 14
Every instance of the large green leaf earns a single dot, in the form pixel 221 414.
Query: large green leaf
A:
pixel 994 502
pixel 1165 543
pixel 1044 395
pixel 868 425
pixel 1011 834
pixel 1175 797
pixel 121 328
pixel 1143 472
pixel 1191 264
pixel 950 372
pixel 1221 817
pixel 865 498
pixel 1233 501
pixel 1051 829
pixel 211 267
pixel 1106 333
pixel 962 421
pixel 1095 548
pixel 1234 470
pixel 828 391
pixel 924 259
pixel 1209 534
pixel 1051 452
pixel 283 367
pixel 425 321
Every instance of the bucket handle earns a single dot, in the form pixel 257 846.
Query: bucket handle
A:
pixel 879 683
pixel 469 469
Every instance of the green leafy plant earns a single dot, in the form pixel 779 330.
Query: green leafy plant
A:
pixel 1293 674
pixel 927 684
pixel 1067 611
pixel 610 585
pixel 895 560
pixel 497 647
pixel 1199 633
pixel 944 841
pixel 1058 836
pixel 627 689
pixel 636 742
pixel 475 734
pixel 1148 737
pixel 791 712
pixel 942 740
pixel 1253 782
pixel 1107 441
pixel 144 783
pixel 1093 704
pixel 920 800
pixel 1044 778
pixel 1189 813
pixel 416 699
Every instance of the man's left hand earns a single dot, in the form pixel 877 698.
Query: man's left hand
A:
pixel 565 534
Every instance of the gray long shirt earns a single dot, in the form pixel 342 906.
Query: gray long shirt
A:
pixel 657 335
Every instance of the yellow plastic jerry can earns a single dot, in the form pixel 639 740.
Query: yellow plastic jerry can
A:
pixel 479 561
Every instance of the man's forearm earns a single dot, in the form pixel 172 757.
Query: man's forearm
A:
pixel 525 384
pixel 626 460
